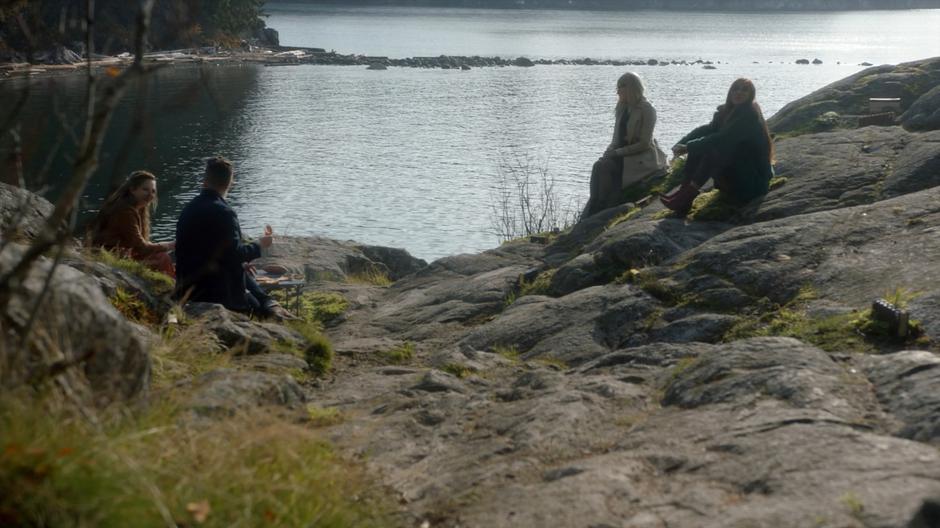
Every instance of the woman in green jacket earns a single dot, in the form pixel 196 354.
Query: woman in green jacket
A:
pixel 734 150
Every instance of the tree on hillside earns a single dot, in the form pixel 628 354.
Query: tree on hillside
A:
pixel 32 27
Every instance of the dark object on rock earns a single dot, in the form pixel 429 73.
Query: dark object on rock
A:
pixel 817 61
pixel 374 66
pixel 802 61
pixel 524 62
pixel 866 64
pixel 877 105
pixel 681 200
pixel 464 67
pixel 928 516
pixel 894 317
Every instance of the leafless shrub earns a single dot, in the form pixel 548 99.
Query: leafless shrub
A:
pixel 103 94
pixel 525 200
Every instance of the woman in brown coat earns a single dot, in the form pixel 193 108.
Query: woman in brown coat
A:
pixel 633 154
pixel 123 223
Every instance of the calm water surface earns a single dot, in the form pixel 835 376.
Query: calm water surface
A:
pixel 410 157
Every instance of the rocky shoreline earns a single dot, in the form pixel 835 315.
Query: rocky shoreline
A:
pixel 64 63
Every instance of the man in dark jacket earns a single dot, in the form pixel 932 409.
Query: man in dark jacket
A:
pixel 210 254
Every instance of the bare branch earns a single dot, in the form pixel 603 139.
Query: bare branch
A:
pixel 98 118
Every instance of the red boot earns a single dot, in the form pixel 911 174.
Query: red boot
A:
pixel 681 200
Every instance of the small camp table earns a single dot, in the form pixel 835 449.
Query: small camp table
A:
pixel 292 287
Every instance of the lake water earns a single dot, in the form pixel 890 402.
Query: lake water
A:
pixel 410 157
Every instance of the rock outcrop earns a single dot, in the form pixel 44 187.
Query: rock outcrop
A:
pixel 22 213
pixel 667 372
pixel 76 340
pixel 909 82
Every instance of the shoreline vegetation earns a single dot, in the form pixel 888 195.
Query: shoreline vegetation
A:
pixel 48 38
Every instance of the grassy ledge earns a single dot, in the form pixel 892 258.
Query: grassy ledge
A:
pixel 158 283
pixel 57 469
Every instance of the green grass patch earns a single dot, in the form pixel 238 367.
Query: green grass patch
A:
pixel 833 333
pixel 509 352
pixel 185 351
pixel 400 354
pixel 555 363
pixel 777 182
pixel 158 283
pixel 317 351
pixel 316 306
pixel 539 285
pixel 665 213
pixel 853 504
pixel 681 366
pixel 856 331
pixel 712 205
pixel 133 308
pixel 625 217
pixel 458 370
pixel 509 299
pixel 56 469
pixel 324 416
pixel 373 276
pixel 652 285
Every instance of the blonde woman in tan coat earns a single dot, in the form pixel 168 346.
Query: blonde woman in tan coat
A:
pixel 633 155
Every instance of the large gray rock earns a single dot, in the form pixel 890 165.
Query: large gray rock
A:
pixel 924 114
pixel 850 167
pixel 79 339
pixel 638 243
pixel 239 333
pixel 574 328
pixel 319 258
pixel 783 369
pixel 849 96
pixel 849 255
pixel 906 384
pixel 222 393
pixel 443 301
pixel 22 214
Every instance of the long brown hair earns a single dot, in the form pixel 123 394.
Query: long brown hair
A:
pixel 122 197
pixel 726 110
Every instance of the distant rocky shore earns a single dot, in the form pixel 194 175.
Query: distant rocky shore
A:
pixel 65 61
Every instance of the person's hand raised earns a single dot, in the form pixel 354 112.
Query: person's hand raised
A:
pixel 268 238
